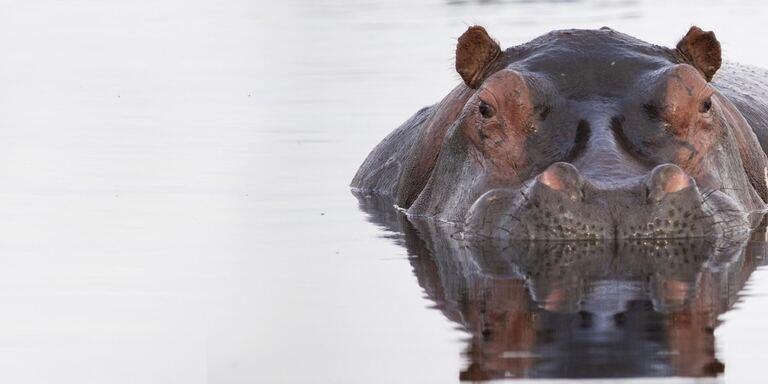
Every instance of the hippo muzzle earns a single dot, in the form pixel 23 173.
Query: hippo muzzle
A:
pixel 561 204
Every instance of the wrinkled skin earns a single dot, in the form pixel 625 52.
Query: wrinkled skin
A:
pixel 584 134
pixel 575 309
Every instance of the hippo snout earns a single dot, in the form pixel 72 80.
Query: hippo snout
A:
pixel 561 203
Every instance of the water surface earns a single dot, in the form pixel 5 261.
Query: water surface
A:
pixel 175 205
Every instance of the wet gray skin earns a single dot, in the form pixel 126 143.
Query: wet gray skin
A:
pixel 576 309
pixel 584 134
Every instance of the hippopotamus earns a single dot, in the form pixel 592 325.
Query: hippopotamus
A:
pixel 584 134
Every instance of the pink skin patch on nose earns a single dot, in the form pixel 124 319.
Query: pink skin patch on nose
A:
pixel 550 179
pixel 677 182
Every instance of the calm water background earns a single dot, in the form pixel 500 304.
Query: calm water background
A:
pixel 174 204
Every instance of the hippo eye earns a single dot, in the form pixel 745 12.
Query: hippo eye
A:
pixel 705 106
pixel 485 110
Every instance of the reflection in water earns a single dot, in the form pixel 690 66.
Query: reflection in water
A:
pixel 578 309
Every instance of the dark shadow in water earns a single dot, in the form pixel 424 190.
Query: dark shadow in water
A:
pixel 578 309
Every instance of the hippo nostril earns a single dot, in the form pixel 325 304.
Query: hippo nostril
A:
pixel 563 177
pixel 664 179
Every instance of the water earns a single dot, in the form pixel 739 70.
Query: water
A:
pixel 175 204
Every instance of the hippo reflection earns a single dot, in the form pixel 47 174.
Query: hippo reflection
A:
pixel 585 134
pixel 594 308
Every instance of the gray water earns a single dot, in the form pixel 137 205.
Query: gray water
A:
pixel 175 206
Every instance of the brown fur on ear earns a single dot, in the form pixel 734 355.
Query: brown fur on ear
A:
pixel 702 50
pixel 474 52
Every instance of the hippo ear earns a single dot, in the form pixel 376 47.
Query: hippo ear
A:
pixel 474 52
pixel 702 50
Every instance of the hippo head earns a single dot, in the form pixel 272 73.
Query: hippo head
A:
pixel 580 134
